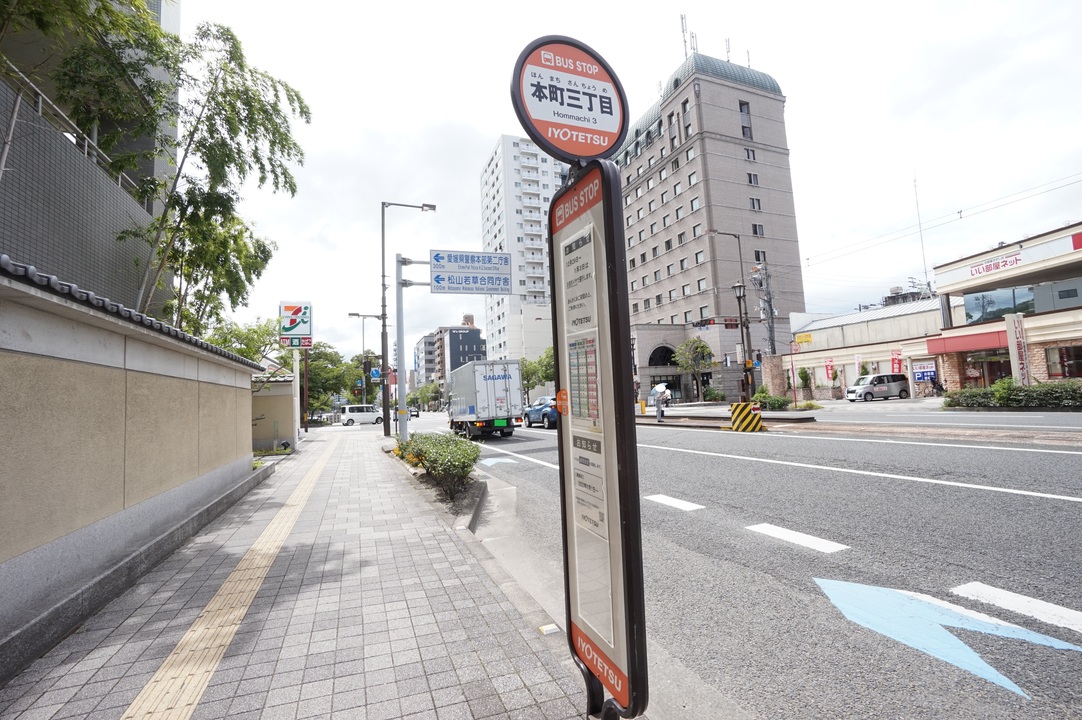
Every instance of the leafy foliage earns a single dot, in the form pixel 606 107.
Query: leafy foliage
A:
pixel 805 377
pixel 712 394
pixel 770 402
pixel 694 356
pixel 448 459
pixel 1006 393
pixel 254 341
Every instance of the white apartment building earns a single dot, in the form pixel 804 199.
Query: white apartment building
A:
pixel 517 185
pixel 707 203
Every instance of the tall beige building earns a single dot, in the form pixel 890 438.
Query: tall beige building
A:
pixel 517 185
pixel 708 203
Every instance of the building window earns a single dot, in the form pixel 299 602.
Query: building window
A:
pixel 672 294
pixel 687 316
pixel 755 204
pixel 664 196
pixel 693 178
pixel 749 153
pixel 629 221
pixel 645 280
pixel 646 304
pixel 689 153
pixel 664 173
pixel 668 269
pixel 632 261
pixel 675 164
pixel 757 230
pixel 640 214
pixel 753 178
pixel 650 183
pixel 653 228
pixel 672 319
pixel 685 289
pixel 702 284
pixel 704 312
pixel 679 211
pixel 634 307
pixel 699 258
pixel 654 251
pixel 683 263
pixel 1064 362
pixel 677 189
pixel 694 204
pixel 638 191
pixel 685 105
pixel 760 256
pixel 681 238
pixel 665 221
pixel 657 275
pixel 657 300
pixel 1068 293
pixel 668 243
pixel 653 205
pixel 642 257
pixel 696 231
pixel 634 285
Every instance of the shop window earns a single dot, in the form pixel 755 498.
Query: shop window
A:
pixel 1064 362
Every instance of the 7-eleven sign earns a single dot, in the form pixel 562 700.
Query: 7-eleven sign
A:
pixel 295 324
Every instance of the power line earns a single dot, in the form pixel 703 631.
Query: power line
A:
pixel 962 214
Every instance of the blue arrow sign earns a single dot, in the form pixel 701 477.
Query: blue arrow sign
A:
pixel 374 372
pixel 438 279
pixel 438 257
pixel 921 622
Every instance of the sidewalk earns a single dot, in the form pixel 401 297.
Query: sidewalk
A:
pixel 333 590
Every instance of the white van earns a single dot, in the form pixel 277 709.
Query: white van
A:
pixel 360 414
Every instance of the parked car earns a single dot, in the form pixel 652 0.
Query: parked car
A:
pixel 868 387
pixel 415 412
pixel 543 412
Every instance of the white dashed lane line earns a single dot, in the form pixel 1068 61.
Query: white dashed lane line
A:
pixel 1038 609
pixel 674 502
pixel 799 538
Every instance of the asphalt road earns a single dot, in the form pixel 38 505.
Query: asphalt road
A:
pixel 743 623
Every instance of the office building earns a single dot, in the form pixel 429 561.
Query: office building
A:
pixel 517 185
pixel 708 203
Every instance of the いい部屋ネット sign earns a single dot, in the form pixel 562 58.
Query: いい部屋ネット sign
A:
pixel 569 100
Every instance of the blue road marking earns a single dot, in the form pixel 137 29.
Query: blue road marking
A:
pixel 922 624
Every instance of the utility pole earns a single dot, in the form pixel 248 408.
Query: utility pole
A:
pixel 761 280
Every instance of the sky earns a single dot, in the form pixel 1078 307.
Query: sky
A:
pixel 918 133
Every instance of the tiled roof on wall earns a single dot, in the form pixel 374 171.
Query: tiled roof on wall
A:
pixel 29 275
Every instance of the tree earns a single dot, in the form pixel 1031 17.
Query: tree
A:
pixel 529 371
pixel 546 371
pixel 254 341
pixel 694 356
pixel 214 258
pixel 235 122
pixel 326 375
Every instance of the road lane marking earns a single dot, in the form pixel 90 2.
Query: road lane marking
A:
pixel 952 424
pixel 1038 609
pixel 799 538
pixel 522 457
pixel 776 436
pixel 673 502
pixel 173 693
pixel 869 473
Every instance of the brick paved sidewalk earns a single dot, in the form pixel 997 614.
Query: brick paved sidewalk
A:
pixel 367 606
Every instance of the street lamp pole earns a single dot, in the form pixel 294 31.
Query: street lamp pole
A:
pixel 385 372
pixel 745 331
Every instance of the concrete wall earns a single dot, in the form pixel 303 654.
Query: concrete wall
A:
pixel 119 442
pixel 272 415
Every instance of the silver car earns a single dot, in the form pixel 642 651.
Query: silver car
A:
pixel 869 387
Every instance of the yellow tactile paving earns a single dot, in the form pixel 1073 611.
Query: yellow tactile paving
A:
pixel 175 690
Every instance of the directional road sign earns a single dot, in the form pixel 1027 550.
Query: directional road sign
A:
pixel 476 273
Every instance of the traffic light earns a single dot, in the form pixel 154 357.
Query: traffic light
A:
pixel 356 391
pixel 367 366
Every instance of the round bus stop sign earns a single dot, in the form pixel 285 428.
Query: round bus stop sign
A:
pixel 569 100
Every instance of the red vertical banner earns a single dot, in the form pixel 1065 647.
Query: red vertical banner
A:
pixel 895 361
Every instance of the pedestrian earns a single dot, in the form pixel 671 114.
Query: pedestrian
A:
pixel 660 402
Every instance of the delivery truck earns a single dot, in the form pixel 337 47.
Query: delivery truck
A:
pixel 485 397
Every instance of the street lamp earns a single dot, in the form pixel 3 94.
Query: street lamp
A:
pixel 364 378
pixel 383 268
pixel 739 250
pixel 745 339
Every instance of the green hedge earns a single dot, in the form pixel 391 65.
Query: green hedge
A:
pixel 448 459
pixel 770 402
pixel 1006 393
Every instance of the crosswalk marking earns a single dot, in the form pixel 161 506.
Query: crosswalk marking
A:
pixel 1031 607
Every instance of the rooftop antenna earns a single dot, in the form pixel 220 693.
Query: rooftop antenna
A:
pixel 694 44
pixel 920 229
pixel 749 58
pixel 684 32
pixel 726 49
